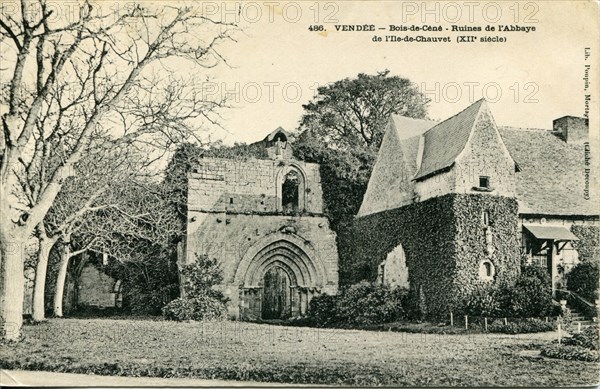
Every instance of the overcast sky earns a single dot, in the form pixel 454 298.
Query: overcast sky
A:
pixel 277 63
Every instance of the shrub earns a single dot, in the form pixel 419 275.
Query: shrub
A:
pixel 200 308
pixel 572 353
pixel 522 326
pixel 486 300
pixel 566 320
pixel 323 310
pixel 370 303
pixel 200 300
pixel 531 295
pixel 364 303
pixel 583 280
pixel 588 338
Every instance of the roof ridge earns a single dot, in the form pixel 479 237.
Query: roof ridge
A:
pixel 455 115
pixel 460 127
pixel 524 129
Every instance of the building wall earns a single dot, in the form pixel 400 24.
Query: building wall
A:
pixel 232 238
pixel 251 185
pixel 95 288
pixel 235 215
pixel 485 155
pixel 437 185
pixel 444 241
pixel 390 185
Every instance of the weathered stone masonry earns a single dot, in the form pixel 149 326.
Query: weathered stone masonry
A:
pixel 275 255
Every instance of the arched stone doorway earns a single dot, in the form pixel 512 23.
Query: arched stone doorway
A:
pixel 278 278
pixel 276 299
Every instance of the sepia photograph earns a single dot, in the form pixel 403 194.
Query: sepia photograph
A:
pixel 299 193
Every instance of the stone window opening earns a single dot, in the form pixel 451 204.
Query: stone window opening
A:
pixel 485 218
pixel 487 270
pixel 289 192
pixel 484 182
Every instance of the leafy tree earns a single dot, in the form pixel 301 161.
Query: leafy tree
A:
pixel 69 81
pixel 354 112
pixel 342 129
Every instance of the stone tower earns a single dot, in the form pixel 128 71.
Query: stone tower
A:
pixel 262 218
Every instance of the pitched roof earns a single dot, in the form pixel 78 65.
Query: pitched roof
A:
pixel 445 141
pixel 408 127
pixel 552 176
pixel 278 130
pixel 390 185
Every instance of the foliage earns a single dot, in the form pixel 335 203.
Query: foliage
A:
pixel 370 303
pixel 203 307
pixel 582 346
pixel 200 301
pixel 583 279
pixel 355 111
pixel 432 233
pixel 571 353
pixel 531 295
pixel 322 310
pixel 486 301
pixel 588 245
pixel 364 303
pixel 566 320
pixel 588 338
pixel 96 86
pixel 146 291
pixel 525 326
pixel 342 129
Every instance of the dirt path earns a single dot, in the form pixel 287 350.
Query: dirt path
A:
pixel 43 378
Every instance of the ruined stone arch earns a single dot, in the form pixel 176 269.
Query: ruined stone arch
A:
pixel 302 185
pixel 289 250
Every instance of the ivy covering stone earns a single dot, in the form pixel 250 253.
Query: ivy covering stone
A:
pixel 444 241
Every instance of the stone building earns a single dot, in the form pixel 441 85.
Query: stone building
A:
pixel 262 218
pixel 459 203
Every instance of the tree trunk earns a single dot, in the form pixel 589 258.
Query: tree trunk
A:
pixel 12 286
pixel 39 288
pixel 60 281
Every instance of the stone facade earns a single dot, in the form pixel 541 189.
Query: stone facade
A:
pixel 96 289
pixel 263 220
pixel 461 200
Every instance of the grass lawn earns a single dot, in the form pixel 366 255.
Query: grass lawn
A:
pixel 260 352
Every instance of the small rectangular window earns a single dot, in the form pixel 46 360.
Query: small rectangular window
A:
pixel 231 200
pixel 484 182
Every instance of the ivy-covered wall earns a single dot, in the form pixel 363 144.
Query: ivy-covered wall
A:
pixel 444 241
pixel 588 245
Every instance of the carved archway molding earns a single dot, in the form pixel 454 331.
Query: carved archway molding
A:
pixel 297 257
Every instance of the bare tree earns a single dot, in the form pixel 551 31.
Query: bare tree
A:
pixel 71 82
pixel 134 215
pixel 91 189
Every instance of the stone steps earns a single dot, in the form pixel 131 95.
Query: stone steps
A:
pixel 580 321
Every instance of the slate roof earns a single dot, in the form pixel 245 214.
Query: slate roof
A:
pixel 408 127
pixel 409 131
pixel 550 176
pixel 551 180
pixel 445 141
